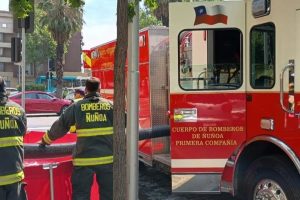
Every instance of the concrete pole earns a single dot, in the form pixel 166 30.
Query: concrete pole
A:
pixel 133 106
pixel 23 63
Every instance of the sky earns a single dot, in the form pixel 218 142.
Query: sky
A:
pixel 100 21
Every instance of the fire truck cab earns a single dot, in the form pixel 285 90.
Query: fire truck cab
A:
pixel 234 98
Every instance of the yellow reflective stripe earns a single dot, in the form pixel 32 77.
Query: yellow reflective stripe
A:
pixel 72 129
pixel 92 161
pixel 94 132
pixel 11 141
pixel 12 178
pixel 46 138
pixel 87 59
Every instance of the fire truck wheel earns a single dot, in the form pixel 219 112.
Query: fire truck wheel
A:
pixel 272 177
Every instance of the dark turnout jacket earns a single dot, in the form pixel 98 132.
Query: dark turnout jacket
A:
pixel 93 118
pixel 13 125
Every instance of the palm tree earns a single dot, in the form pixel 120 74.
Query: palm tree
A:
pixel 62 21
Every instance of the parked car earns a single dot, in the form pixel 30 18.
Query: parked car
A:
pixel 41 102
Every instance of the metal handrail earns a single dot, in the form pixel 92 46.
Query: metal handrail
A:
pixel 289 66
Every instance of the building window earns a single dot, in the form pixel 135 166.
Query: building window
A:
pixel 1 37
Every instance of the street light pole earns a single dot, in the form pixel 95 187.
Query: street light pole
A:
pixel 23 63
pixel 133 106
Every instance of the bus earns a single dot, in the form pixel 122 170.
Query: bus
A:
pixel 68 82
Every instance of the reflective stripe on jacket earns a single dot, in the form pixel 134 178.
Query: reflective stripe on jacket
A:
pixel 11 141
pixel 94 132
pixel 92 161
pixel 11 178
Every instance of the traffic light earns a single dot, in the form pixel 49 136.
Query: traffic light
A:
pixel 49 75
pixel 51 66
pixel 27 22
pixel 16 48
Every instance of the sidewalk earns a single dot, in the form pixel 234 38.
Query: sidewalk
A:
pixel 155 185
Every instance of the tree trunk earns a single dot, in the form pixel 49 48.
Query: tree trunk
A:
pixel 162 12
pixel 59 69
pixel 119 169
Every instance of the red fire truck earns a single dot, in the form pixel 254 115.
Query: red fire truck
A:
pixel 226 73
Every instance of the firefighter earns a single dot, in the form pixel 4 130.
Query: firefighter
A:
pixel 78 94
pixel 13 125
pixel 93 117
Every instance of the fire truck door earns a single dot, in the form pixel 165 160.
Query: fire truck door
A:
pixel 207 91
pixel 289 85
pixel 297 69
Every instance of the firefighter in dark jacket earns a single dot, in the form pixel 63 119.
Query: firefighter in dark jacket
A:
pixel 93 118
pixel 13 125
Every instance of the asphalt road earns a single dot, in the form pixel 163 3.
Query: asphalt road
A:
pixel 155 185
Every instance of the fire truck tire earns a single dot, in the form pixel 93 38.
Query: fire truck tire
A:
pixel 54 150
pixel 271 177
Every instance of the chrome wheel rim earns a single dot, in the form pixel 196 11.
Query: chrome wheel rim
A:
pixel 268 189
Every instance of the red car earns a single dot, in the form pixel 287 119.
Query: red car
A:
pixel 41 102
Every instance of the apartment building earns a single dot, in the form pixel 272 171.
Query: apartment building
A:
pixel 8 70
pixel 12 72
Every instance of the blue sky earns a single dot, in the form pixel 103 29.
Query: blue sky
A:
pixel 100 21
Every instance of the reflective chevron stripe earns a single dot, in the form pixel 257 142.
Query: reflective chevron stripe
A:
pixel 46 138
pixel 92 161
pixel 11 141
pixel 94 132
pixel 12 178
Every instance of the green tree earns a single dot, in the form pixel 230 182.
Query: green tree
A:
pixel 160 9
pixel 21 8
pixel 147 18
pixel 39 45
pixel 61 20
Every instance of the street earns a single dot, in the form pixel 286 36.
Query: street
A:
pixel 40 122
pixel 153 184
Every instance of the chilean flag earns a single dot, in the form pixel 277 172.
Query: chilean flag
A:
pixel 212 15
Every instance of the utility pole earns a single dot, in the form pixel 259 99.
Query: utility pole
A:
pixel 133 106
pixel 23 62
pixel 27 26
